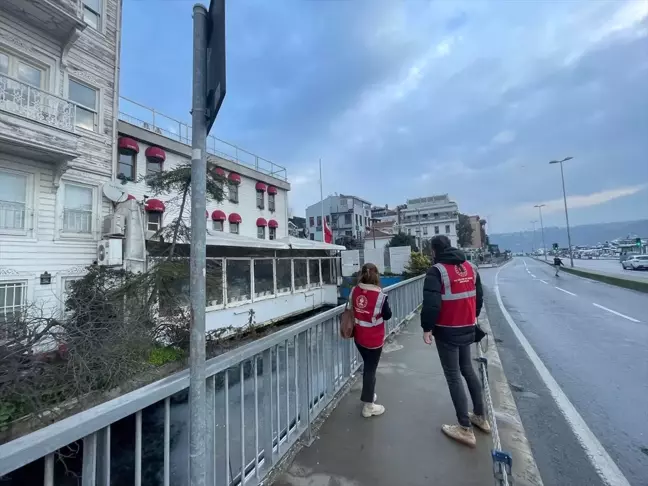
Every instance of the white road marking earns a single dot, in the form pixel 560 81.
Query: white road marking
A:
pixel 605 467
pixel 532 275
pixel 567 291
pixel 544 282
pixel 615 312
pixel 525 265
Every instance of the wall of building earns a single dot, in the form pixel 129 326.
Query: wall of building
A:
pixel 476 233
pixel 44 246
pixel 335 207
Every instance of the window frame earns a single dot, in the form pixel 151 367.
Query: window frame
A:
pixel 215 226
pixel 160 217
pixel 95 111
pixel 15 58
pixel 261 232
pixel 63 292
pixel 24 284
pixel 233 192
pixel 436 230
pixel 447 229
pixel 133 157
pixel 260 199
pixel 311 221
pixel 235 226
pixel 100 15
pixel 272 202
pixel 272 233
pixel 63 233
pixel 28 218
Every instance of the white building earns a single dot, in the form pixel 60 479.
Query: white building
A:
pixel 59 70
pixel 427 217
pixel 345 215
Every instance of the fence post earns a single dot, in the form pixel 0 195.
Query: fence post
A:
pixel 267 433
pixel 304 383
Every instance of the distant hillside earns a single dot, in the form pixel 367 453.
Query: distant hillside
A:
pixel 589 234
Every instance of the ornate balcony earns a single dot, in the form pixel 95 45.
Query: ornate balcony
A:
pixel 36 123
pixel 59 18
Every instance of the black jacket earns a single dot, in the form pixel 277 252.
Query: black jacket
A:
pixel 558 261
pixel 432 301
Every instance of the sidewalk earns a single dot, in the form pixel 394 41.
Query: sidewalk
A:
pixel 403 447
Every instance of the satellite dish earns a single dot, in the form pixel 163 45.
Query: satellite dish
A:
pixel 113 191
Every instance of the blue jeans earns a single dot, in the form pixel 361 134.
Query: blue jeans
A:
pixel 456 362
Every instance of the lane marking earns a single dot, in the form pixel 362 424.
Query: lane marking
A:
pixel 605 467
pixel 567 291
pixel 532 275
pixel 525 265
pixel 544 282
pixel 615 312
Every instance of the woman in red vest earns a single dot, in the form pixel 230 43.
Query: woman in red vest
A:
pixel 370 310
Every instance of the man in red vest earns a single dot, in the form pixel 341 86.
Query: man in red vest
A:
pixel 452 300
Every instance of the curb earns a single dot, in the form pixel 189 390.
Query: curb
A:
pixel 511 430
pixel 607 278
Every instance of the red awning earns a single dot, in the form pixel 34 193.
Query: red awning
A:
pixel 218 215
pixel 127 144
pixel 235 218
pixel 234 177
pixel 155 154
pixel 272 190
pixel 131 197
pixel 260 186
pixel 262 222
pixel 273 223
pixel 154 206
pixel 219 172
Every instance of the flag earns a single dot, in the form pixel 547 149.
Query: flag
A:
pixel 328 234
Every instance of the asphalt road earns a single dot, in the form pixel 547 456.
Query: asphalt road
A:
pixel 593 340
pixel 608 266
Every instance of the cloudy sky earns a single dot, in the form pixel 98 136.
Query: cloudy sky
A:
pixel 403 99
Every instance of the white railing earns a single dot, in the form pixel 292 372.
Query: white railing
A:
pixel 261 399
pixel 144 117
pixel 22 99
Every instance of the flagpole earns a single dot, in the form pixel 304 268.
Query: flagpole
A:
pixel 322 201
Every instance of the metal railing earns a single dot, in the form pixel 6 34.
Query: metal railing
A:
pixel 22 99
pixel 148 118
pixel 261 399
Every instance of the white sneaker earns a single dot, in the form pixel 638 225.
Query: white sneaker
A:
pixel 465 435
pixel 372 409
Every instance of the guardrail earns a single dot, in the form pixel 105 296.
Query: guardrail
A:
pixel 149 119
pixel 261 399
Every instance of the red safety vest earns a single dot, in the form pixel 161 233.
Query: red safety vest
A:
pixel 367 301
pixel 458 295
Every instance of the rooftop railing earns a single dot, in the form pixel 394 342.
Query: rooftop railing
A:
pixel 149 119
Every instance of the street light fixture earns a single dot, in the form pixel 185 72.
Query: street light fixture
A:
pixel 544 245
pixel 562 175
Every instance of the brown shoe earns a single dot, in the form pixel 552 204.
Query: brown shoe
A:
pixel 480 422
pixel 465 435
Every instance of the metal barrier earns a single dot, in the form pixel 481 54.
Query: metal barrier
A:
pixel 261 399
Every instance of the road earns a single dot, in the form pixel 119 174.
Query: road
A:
pixel 608 266
pixel 585 394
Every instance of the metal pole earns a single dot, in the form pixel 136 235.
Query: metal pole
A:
pixel 197 385
pixel 420 234
pixel 322 201
pixel 533 240
pixel 562 175
pixel 544 245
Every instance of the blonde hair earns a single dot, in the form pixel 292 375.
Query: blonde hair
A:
pixel 369 275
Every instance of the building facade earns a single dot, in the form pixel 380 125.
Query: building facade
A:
pixel 475 224
pixel 59 73
pixel 348 216
pixel 427 217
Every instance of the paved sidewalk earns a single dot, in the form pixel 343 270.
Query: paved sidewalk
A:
pixel 403 447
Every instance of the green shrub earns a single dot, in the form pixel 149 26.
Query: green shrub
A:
pixel 162 356
pixel 418 264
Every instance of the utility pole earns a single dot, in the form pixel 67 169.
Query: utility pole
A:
pixel 418 231
pixel 533 240
pixel 562 175
pixel 544 245
pixel 322 202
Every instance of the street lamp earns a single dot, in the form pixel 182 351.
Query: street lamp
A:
pixel 544 245
pixel 562 175
pixel 533 240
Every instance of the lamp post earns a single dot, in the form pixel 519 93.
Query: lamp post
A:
pixel 562 175
pixel 533 240
pixel 544 245
pixel 418 231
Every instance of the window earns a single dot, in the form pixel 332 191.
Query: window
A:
pixel 22 71
pixel 92 13
pixel 153 167
pixel 319 221
pixel 328 218
pixel 13 201
pixel 261 232
pixel 127 166
pixel 311 220
pixel 425 230
pixel 154 221
pixel 260 199
pixel 12 302
pixel 436 215
pixel 312 236
pixel 271 202
pixel 409 231
pixel 347 219
pixel 273 233
pixel 77 209
pixel 85 98
pixel 217 225
pixel 436 230
pixel 233 193
pixel 234 228
pixel 447 228
pixel 66 289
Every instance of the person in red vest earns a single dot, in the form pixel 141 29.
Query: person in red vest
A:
pixel 452 300
pixel 370 310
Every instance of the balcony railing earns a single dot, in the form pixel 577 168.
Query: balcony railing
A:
pixel 22 99
pixel 144 117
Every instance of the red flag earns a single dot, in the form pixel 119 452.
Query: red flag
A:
pixel 328 234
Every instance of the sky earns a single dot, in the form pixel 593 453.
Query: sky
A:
pixel 403 99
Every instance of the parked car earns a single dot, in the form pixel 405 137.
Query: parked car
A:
pixel 636 262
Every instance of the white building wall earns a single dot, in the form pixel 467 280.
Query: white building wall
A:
pixel 91 59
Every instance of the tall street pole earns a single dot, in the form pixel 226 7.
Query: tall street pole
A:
pixel 322 201
pixel 533 240
pixel 197 386
pixel 420 235
pixel 544 245
pixel 562 175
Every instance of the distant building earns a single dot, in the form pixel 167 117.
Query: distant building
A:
pixel 346 216
pixel 475 224
pixel 297 227
pixel 379 213
pixel 426 217
pixel 376 238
